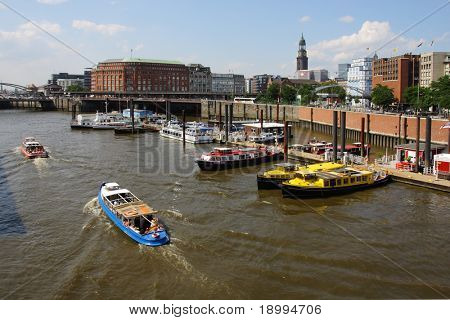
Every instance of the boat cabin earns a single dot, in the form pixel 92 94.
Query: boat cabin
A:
pixel 138 113
pixel 285 167
pixel 267 127
pixel 32 146
pixel 132 211
pixel 338 178
pixel 222 151
pixel 406 153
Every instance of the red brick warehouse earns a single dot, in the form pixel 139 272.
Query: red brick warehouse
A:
pixel 140 75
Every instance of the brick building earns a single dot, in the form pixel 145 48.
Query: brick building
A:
pixel 140 75
pixel 396 73
pixel 260 83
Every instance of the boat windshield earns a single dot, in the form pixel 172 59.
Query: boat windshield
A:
pixel 121 198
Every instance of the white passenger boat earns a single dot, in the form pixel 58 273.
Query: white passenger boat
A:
pixel 262 137
pixel 108 121
pixel 194 134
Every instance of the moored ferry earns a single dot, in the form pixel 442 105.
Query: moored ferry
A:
pixel 108 121
pixel 194 133
pixel 131 215
pixel 224 158
pixel 274 177
pixel 31 148
pixel 340 181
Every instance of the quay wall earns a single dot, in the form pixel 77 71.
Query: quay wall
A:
pixel 385 129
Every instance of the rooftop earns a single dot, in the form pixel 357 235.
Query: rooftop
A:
pixel 412 146
pixel 265 125
pixel 141 60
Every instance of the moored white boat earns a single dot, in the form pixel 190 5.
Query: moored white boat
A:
pixel 194 134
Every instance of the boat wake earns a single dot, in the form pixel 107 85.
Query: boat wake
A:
pixel 41 165
pixel 92 208
pixel 174 214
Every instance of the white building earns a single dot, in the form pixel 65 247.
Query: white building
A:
pixel 360 77
pixel 319 75
pixel 66 83
pixel 433 66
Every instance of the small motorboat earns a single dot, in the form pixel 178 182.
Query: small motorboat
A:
pixel 340 181
pixel 131 215
pixel 31 148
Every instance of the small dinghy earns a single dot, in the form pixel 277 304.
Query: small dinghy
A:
pixel 132 215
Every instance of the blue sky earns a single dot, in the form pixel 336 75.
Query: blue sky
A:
pixel 247 37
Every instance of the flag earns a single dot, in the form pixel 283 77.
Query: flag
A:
pixel 432 41
pixel 420 44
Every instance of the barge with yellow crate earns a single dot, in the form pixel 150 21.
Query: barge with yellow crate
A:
pixel 340 181
pixel 274 177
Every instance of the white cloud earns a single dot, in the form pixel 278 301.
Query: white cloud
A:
pixel 372 35
pixel 107 29
pixel 28 31
pixel 51 2
pixel 346 19
pixel 305 19
pixel 2 7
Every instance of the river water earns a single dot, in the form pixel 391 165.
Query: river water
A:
pixel 229 241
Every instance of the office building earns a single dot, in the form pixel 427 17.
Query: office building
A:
pixel 433 66
pixel 397 73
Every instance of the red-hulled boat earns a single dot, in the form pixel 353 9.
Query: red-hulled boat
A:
pixel 31 148
pixel 225 158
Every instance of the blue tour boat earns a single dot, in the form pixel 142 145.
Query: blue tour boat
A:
pixel 132 215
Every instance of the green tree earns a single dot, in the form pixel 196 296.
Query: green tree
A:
pixel 419 98
pixel 75 88
pixel 307 93
pixel 382 96
pixel 272 92
pixel 440 92
pixel 288 94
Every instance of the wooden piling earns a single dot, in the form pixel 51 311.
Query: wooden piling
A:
pixel 362 136
pixel 231 106
pixel 286 139
pixel 343 129
pixel 417 142
pixel 261 119
pixel 278 110
pixel 428 142
pixel 132 116
pixel 226 123
pixel 184 128
pixel 335 138
pixel 220 116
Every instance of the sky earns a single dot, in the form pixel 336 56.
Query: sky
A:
pixel 241 36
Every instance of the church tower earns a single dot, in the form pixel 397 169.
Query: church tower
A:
pixel 302 57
